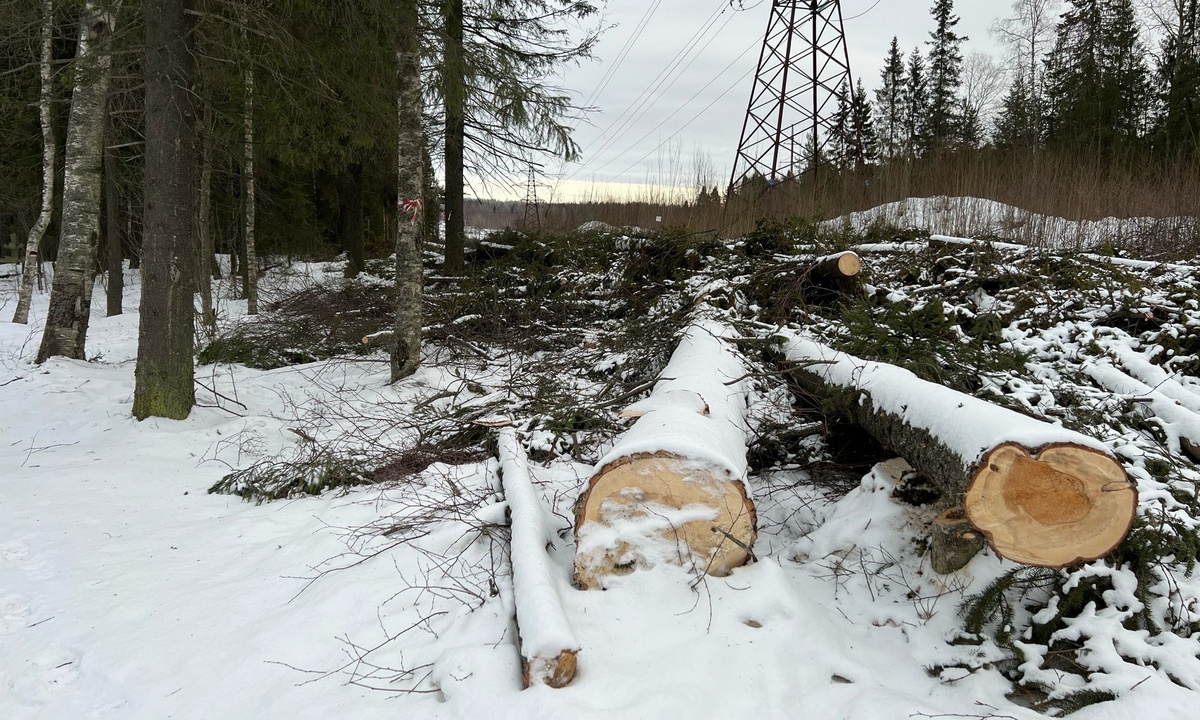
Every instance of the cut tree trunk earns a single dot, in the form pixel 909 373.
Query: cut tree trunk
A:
pixel 33 243
pixel 835 269
pixel 74 270
pixel 673 489
pixel 1041 494
pixel 547 645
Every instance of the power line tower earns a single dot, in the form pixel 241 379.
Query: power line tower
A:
pixel 803 76
pixel 532 218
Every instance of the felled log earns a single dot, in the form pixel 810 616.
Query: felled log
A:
pixel 835 268
pixel 1181 425
pixel 1152 375
pixel 1040 494
pixel 673 488
pixel 781 287
pixel 548 647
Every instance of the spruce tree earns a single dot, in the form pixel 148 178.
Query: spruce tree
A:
pixel 862 116
pixel 1019 123
pixel 916 106
pixel 1097 85
pixel 945 77
pixel 889 103
pixel 1178 82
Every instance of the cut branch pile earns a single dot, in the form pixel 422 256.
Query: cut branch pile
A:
pixel 673 488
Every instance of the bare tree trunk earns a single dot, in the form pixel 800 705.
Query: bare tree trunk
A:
pixel 250 264
pixel 115 252
pixel 33 257
pixel 406 353
pixel 205 255
pixel 163 382
pixel 453 94
pixel 350 219
pixel 71 291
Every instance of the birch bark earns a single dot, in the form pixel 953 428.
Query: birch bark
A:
pixel 74 271
pixel 45 98
pixel 406 353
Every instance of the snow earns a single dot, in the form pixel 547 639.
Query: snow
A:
pixel 545 631
pixel 969 216
pixel 1176 421
pixel 966 425
pixel 128 592
pixel 701 366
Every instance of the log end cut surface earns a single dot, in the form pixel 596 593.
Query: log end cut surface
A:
pixel 1054 507
pixel 555 672
pixel 849 264
pixel 649 509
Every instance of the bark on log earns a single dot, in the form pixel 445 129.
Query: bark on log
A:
pixel 1041 495
pixel 548 647
pixel 673 488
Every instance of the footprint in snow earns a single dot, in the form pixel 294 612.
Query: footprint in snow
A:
pixel 14 613
pixel 46 675
pixel 14 551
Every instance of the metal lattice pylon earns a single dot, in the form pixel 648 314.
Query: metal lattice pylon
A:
pixel 803 75
pixel 532 219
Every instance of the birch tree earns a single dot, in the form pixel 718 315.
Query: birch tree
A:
pixel 249 185
pixel 406 351
pixel 49 154
pixel 71 292
pixel 163 382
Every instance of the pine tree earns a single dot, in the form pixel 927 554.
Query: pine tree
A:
pixel 499 111
pixel 945 77
pixel 916 106
pixel 889 103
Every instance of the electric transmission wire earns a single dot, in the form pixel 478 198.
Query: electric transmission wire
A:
pixel 864 12
pixel 663 82
pixel 621 55
pixel 678 110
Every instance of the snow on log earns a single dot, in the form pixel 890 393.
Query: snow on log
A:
pixel 1041 494
pixel 1181 425
pixel 673 488
pixel 547 645
pixel 1152 375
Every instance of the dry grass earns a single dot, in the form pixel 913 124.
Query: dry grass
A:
pixel 1056 186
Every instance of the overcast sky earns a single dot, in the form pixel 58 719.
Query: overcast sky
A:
pixel 701 111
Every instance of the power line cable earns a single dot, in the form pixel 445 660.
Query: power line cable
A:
pixel 680 109
pixel 663 82
pixel 663 74
pixel 624 53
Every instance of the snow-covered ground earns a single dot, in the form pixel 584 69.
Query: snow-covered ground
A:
pixel 977 217
pixel 127 591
